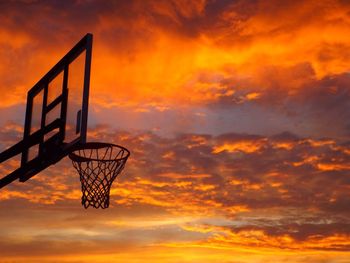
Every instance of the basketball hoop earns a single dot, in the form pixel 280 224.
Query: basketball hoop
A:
pixel 56 126
pixel 98 164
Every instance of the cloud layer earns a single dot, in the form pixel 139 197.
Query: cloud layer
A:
pixel 233 190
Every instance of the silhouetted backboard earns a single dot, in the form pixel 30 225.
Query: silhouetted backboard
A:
pixel 56 114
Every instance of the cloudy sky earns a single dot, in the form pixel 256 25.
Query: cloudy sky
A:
pixel 237 116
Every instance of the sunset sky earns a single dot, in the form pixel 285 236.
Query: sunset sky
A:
pixel 237 116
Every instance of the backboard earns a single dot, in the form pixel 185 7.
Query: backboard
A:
pixel 56 115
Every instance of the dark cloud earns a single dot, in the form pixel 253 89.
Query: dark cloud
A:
pixel 302 231
pixel 315 106
pixel 10 134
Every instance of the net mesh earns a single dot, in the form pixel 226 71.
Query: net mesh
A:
pixel 98 164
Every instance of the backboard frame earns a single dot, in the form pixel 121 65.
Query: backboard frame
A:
pixel 53 149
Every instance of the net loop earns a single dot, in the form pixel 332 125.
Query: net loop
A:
pixel 98 164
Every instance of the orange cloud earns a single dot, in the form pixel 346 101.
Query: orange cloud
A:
pixel 163 63
pixel 243 146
